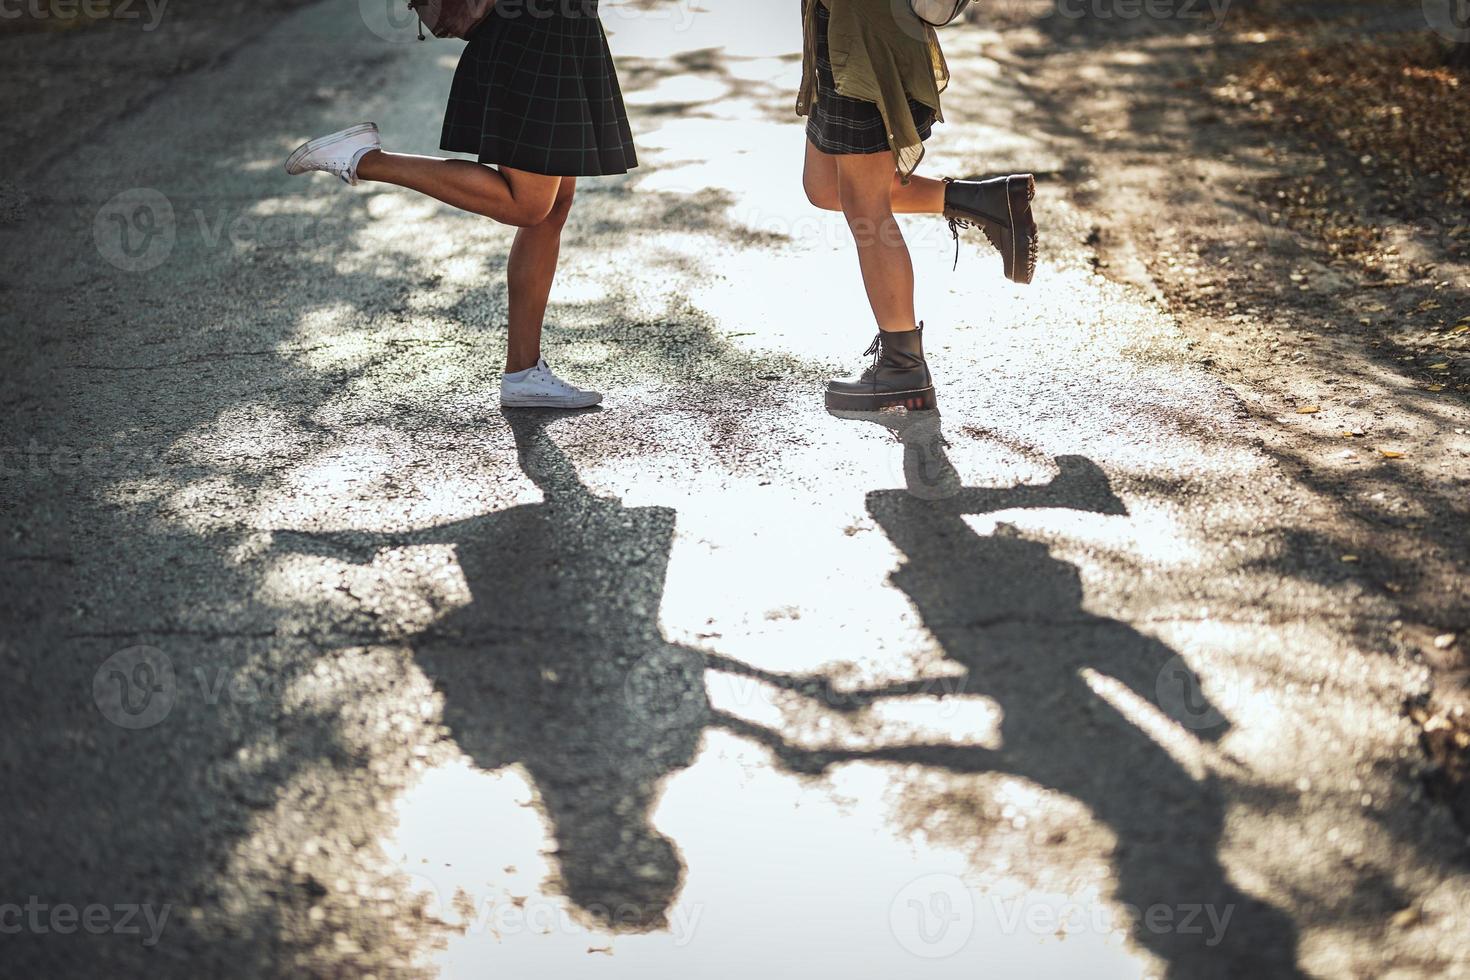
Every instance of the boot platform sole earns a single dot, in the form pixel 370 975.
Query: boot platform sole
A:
pixel 1017 242
pixel 918 399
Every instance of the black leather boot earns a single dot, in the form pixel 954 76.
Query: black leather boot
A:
pixel 1000 207
pixel 897 377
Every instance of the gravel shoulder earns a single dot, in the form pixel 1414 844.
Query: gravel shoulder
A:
pixel 1211 201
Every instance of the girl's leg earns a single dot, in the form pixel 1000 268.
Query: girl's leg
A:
pixel 512 197
pixel 532 268
pixel 921 195
pixel 999 206
pixel 898 374
pixel 865 187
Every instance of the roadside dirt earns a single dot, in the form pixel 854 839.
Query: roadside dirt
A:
pixel 1330 289
pixel 115 58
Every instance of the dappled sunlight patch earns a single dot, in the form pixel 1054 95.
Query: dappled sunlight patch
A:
pixel 1040 867
pixel 946 715
pixel 332 478
pixel 1017 837
pixel 573 286
pixel 338 322
pixel 358 485
pixel 1079 533
pixel 1143 714
pixel 724 155
pixel 677 89
pixel 793 615
pixel 394 208
pixel 411 586
pixel 248 439
pixel 474 848
pixel 863 852
pixel 1217 688
pixel 703 29
pixel 206 503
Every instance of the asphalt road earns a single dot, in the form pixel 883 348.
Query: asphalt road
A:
pixel 320 665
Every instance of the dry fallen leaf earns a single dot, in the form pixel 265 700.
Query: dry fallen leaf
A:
pixel 1350 558
pixel 1435 388
pixel 1309 410
pixel 1391 453
pixel 1441 366
pixel 1406 918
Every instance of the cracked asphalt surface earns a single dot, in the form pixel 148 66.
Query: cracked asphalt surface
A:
pixel 324 666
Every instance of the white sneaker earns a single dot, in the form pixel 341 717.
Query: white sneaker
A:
pixel 539 388
pixel 336 154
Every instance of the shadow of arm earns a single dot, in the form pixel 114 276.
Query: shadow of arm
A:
pixel 819 688
pixel 813 762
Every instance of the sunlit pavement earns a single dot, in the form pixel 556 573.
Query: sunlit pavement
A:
pixel 708 683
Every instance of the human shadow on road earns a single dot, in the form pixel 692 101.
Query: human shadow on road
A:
pixel 557 663
pixel 1012 614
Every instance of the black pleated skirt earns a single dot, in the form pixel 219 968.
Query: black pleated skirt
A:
pixel 841 125
pixel 536 90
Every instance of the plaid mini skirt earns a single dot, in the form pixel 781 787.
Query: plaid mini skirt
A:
pixel 838 124
pixel 536 90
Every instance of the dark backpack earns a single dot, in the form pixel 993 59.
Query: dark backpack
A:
pixel 451 18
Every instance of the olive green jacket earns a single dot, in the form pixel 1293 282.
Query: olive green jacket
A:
pixel 881 53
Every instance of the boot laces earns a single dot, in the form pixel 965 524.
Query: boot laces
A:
pixel 955 224
pixel 875 351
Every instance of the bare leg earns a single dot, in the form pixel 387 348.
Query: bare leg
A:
pixel 531 270
pixel 865 185
pixel 512 197
pixel 921 195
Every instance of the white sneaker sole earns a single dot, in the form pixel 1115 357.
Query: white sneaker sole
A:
pixel 293 162
pixel 549 401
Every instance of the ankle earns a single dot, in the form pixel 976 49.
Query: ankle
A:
pixel 367 164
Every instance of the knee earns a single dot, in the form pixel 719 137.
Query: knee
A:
pixel 561 208
pixel 541 210
pixel 529 214
pixel 822 194
pixel 870 213
pixel 859 202
pixel 529 208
